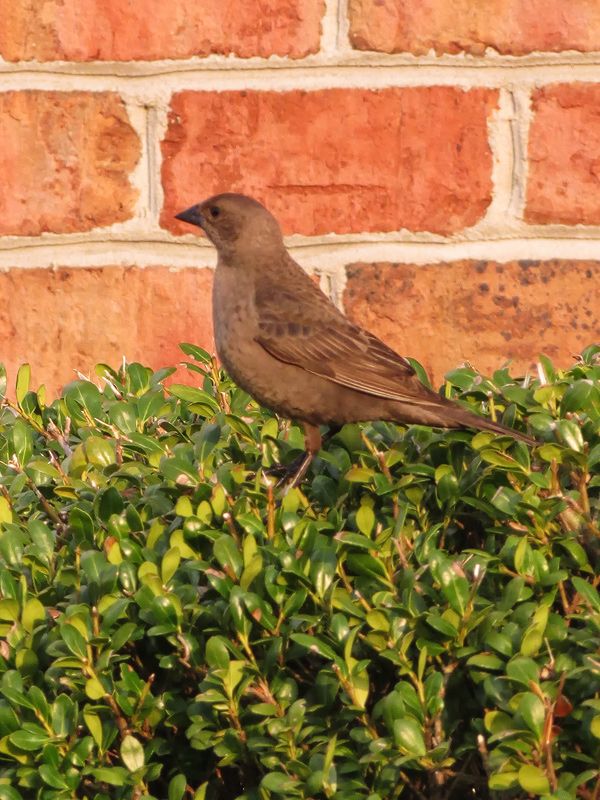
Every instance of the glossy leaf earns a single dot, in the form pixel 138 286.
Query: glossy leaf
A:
pixel 132 753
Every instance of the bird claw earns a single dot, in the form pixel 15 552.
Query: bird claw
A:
pixel 291 473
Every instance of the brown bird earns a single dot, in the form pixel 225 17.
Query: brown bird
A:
pixel 285 343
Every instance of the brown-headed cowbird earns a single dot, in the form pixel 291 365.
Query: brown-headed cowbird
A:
pixel 284 342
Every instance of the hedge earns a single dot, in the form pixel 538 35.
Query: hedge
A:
pixel 419 619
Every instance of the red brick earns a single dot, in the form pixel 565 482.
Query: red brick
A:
pixel 69 319
pixel 335 160
pixel 478 311
pixel 512 27
pixel 564 155
pixel 114 30
pixel 65 161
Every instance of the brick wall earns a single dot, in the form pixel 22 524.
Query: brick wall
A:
pixel 437 165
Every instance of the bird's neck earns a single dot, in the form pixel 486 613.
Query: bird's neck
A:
pixel 260 258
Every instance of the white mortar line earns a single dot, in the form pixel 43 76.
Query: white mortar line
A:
pixel 337 284
pixel 321 258
pixel 147 89
pixel 503 161
pixel 327 258
pixel 141 231
pixel 341 55
pixel 139 177
pixel 157 127
pixel 329 29
pixel 522 123
pixel 345 49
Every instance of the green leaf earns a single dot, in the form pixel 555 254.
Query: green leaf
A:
pixel 239 426
pixel 81 522
pixel 365 520
pixel 323 564
pixel 228 555
pixel 149 405
pixel 503 781
pixel 278 782
pixel 587 592
pixel 579 396
pixel 51 776
pixel 37 698
pixel 12 545
pixel 22 436
pixel 454 587
pixel 94 725
pixel 107 503
pixel 190 394
pixel 522 670
pixel 314 645
pixel 5 510
pixel 570 432
pixel 259 610
pixel 115 776
pixel 442 625
pixel 33 612
pixel 180 471
pixel 360 475
pixel 123 416
pixel 2 381
pixel 533 712
pixel 86 395
pixel 533 780
pixel 420 370
pixel 94 689
pixel 23 379
pixel 42 536
pixel 99 451
pixel 138 378
pixel 217 652
pixel 32 737
pixel 9 793
pixel 499 459
pixel 206 440
pixel 9 610
pixel 177 787
pixel 132 753
pixel 170 563
pixel 74 640
pixel 409 736
pixel 197 353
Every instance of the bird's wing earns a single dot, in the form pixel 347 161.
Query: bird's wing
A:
pixel 299 325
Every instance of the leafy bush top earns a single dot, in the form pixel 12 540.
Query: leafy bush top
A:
pixel 420 619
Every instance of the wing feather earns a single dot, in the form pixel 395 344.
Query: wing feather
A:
pixel 309 332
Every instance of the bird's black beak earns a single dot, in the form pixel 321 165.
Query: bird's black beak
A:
pixel 191 215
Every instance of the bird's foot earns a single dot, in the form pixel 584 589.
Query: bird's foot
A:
pixel 292 472
pixel 296 469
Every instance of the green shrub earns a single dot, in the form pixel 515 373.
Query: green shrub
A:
pixel 420 619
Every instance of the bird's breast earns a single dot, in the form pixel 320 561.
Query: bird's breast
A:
pixel 234 315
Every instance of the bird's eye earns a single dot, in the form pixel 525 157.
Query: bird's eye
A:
pixel 215 211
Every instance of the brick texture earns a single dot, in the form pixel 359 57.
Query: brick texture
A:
pixel 343 161
pixel 478 311
pixel 68 319
pixel 65 162
pixel 564 162
pixel 125 30
pixel 513 27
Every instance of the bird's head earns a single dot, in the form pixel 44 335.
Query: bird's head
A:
pixel 237 225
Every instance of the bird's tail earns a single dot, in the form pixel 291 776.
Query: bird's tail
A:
pixel 451 415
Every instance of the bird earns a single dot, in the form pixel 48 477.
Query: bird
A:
pixel 284 342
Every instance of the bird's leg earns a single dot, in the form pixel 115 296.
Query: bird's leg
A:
pixel 313 442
